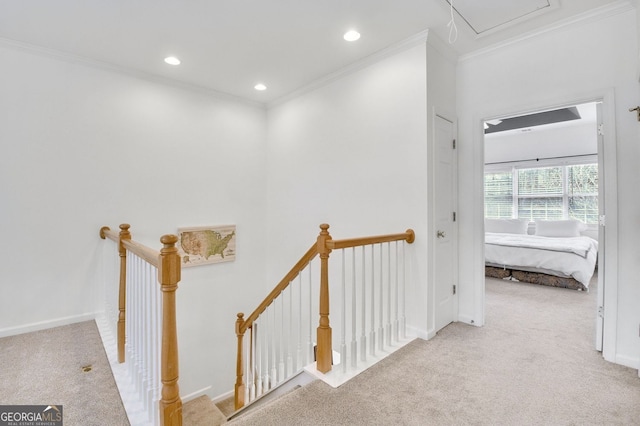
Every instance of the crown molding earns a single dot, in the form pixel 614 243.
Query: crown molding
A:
pixel 391 50
pixel 109 67
pixel 599 13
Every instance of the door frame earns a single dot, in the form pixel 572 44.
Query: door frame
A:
pixel 609 155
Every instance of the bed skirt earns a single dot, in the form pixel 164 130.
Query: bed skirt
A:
pixel 533 278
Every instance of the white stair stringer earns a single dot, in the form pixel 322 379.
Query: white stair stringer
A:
pixel 337 377
pixel 300 379
pixel 133 405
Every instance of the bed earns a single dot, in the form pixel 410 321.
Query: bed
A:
pixel 555 255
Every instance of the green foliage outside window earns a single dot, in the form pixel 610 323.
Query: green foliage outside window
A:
pixel 549 193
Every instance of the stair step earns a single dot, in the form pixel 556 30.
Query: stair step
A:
pixel 202 412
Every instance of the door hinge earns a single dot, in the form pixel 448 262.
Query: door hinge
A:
pixel 601 311
pixel 454 216
pixel 454 289
pixel 601 220
pixel 454 144
pixel 601 129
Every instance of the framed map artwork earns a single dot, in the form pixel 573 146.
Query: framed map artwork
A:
pixel 207 244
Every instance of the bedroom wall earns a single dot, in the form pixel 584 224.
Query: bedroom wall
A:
pixel 571 64
pixel 353 154
pixel 545 142
pixel 84 147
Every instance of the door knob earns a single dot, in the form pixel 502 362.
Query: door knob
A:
pixel 441 234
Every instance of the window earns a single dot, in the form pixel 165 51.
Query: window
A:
pixel 552 193
pixel 498 195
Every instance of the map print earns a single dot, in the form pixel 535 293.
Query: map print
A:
pixel 207 244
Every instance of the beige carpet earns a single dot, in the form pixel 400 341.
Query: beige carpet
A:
pixel 46 368
pixel 202 412
pixel 533 363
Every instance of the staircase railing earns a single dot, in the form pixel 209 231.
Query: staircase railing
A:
pixel 146 326
pixel 280 337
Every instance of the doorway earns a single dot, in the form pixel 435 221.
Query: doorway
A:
pixel 531 161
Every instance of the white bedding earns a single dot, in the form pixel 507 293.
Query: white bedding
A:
pixel 565 257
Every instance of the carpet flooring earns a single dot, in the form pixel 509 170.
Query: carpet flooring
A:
pixel 62 366
pixel 533 363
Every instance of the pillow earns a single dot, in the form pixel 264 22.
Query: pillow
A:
pixel 559 228
pixel 506 226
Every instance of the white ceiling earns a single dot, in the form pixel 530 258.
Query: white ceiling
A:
pixel 230 45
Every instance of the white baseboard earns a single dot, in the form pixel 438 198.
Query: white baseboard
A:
pixel 468 320
pixel 421 334
pixel 196 394
pixel 43 325
pixel 220 398
pixel 628 361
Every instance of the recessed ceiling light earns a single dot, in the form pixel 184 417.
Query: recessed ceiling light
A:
pixel 351 35
pixel 172 60
pixel 260 87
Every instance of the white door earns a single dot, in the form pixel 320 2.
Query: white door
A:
pixel 445 229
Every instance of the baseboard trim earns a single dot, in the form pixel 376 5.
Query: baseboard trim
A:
pixel 196 394
pixel 43 325
pixel 628 361
pixel 220 398
pixel 467 320
pixel 422 334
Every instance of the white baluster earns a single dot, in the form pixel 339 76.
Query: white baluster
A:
pixel 290 335
pixel 363 337
pixel 343 328
pixel 251 376
pixel 258 331
pixel 266 333
pixel 372 333
pixel 310 351
pixel 396 334
pixel 157 347
pixel 247 368
pixel 299 362
pixel 282 368
pixel 274 343
pixel 139 326
pixel 145 287
pixel 381 313
pixel 403 322
pixel 354 341
pixel 388 324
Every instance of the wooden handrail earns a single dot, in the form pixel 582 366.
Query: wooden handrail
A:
pixel 282 285
pixel 409 236
pixel 323 247
pixel 106 232
pixel 143 252
pixel 148 254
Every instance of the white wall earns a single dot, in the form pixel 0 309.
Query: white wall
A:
pixel 569 65
pixel 84 147
pixel 352 154
pixel 541 143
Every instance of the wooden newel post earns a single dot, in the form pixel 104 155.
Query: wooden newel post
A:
pixel 169 276
pixel 122 290
pixel 240 387
pixel 324 350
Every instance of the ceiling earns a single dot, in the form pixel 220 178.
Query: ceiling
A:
pixel 230 45
pixel 576 115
